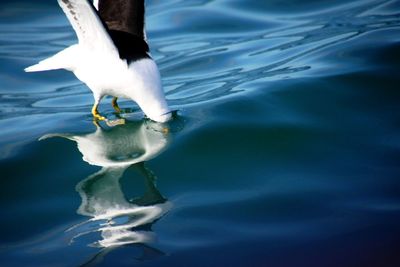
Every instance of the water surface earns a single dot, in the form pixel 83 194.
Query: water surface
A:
pixel 284 153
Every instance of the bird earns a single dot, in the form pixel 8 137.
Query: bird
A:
pixel 112 55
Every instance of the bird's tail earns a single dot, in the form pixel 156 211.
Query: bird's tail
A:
pixel 42 66
pixel 62 60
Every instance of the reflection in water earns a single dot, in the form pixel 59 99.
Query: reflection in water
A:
pixel 123 145
pixel 118 220
pixel 118 217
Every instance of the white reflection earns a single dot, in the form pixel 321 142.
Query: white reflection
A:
pixel 122 145
pixel 118 220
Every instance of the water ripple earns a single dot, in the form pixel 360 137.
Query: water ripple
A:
pixel 197 66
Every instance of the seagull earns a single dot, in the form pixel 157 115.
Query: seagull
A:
pixel 112 55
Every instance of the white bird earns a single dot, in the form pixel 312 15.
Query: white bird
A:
pixel 112 55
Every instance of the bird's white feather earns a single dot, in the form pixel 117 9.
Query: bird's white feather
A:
pixel 96 4
pixel 64 59
pixel 87 25
pixel 95 61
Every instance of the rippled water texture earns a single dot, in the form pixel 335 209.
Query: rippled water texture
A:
pixel 285 150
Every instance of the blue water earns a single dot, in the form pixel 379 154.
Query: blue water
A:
pixel 285 150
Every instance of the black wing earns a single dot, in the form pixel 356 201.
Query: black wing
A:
pixel 125 22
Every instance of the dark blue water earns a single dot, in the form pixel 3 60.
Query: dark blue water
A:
pixel 285 151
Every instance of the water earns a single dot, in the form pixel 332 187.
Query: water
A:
pixel 285 151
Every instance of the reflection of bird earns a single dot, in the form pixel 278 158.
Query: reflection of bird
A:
pixel 122 145
pixel 120 221
pixel 112 56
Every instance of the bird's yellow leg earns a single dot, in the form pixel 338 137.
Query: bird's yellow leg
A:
pixel 115 105
pixel 96 113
